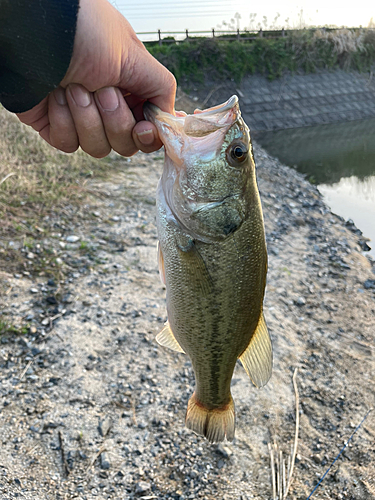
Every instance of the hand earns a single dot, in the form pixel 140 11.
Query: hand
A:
pixel 98 105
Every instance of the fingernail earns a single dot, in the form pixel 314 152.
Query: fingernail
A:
pixel 80 95
pixel 60 97
pixel 146 137
pixel 108 98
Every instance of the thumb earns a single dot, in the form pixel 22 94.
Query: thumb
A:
pixel 147 78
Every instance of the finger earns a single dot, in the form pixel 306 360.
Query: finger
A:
pixel 61 131
pixel 118 120
pixel 87 121
pixel 37 117
pixel 146 137
pixel 144 76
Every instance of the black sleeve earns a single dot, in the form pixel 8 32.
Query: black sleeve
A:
pixel 36 45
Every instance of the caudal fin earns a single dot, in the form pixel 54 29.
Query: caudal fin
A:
pixel 215 425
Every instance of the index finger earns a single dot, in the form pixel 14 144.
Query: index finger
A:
pixel 148 79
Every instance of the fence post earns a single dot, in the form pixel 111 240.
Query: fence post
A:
pixel 159 35
pixel 260 33
pixel 283 32
pixel 187 34
pixel 238 34
pixel 213 32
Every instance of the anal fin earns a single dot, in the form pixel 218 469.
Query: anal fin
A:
pixel 166 338
pixel 257 358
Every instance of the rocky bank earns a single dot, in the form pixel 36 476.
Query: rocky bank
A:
pixel 91 407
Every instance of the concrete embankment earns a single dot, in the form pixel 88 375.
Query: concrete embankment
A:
pixel 297 100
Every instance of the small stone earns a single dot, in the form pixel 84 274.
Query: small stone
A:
pixel 87 303
pixel 369 284
pixel 45 322
pixel 96 214
pixel 105 426
pixel 33 330
pixel 142 487
pixel 104 462
pixel 317 459
pixel 225 451
pixel 59 261
pixel 33 290
pixel 51 300
pixel 51 282
pixel 363 244
pixel 30 255
pixel 115 218
pixel 300 301
pixel 72 238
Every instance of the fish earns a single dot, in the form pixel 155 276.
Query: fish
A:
pixel 212 258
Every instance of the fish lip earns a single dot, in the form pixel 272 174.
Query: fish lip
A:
pixel 222 108
pixel 154 114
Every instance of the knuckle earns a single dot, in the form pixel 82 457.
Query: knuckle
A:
pixel 97 153
pixel 67 146
pixel 71 148
pixel 126 151
pixel 171 82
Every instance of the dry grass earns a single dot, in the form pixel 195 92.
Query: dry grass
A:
pixel 33 174
pixel 344 41
pixel 282 466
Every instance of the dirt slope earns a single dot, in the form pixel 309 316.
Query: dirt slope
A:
pixel 92 407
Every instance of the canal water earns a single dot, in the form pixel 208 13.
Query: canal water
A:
pixel 340 159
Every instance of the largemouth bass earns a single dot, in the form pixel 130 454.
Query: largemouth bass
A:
pixel 212 257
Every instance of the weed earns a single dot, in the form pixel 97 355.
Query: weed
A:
pixel 8 328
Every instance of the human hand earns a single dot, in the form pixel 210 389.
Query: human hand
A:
pixel 98 105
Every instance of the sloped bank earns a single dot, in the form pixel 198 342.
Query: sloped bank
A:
pixel 296 100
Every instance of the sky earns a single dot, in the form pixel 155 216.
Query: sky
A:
pixel 197 15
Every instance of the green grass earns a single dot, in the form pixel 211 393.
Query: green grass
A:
pixel 308 51
pixel 7 329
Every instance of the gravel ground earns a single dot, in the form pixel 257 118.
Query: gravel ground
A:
pixel 92 407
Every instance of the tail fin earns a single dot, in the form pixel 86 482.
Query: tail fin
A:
pixel 215 425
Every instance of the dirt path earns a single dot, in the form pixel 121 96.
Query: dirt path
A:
pixel 92 407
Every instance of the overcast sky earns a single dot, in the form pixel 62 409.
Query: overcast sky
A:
pixel 174 15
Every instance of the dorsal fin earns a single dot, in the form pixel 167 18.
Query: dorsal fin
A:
pixel 257 358
pixel 167 339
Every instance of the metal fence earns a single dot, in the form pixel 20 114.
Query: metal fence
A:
pixel 228 35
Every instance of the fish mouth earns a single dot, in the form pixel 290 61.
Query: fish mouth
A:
pixel 201 123
pixel 203 131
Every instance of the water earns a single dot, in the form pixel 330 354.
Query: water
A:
pixel 340 159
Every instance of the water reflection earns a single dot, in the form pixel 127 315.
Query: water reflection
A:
pixel 340 159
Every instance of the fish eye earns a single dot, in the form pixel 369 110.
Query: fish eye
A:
pixel 237 153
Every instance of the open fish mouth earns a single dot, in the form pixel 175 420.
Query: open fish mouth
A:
pixel 201 123
pixel 183 134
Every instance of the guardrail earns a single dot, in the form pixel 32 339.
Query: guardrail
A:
pixel 228 35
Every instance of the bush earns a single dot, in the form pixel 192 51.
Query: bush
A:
pixel 301 50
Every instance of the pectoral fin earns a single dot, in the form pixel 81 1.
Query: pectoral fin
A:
pixel 195 266
pixel 167 339
pixel 161 265
pixel 257 358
